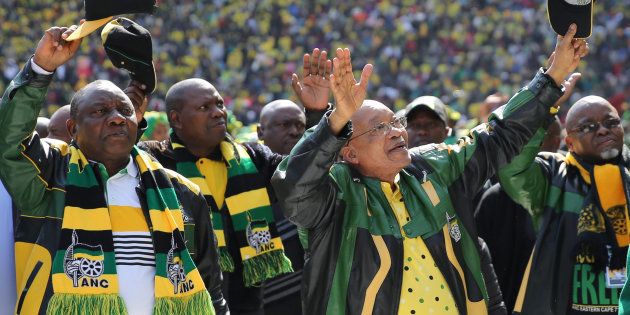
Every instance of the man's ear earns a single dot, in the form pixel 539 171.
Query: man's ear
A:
pixel 569 142
pixel 71 126
pixel 259 131
pixel 349 154
pixel 174 120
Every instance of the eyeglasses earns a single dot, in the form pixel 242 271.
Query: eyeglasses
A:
pixel 383 128
pixel 591 127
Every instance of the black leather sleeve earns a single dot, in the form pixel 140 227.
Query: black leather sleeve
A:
pixel 304 189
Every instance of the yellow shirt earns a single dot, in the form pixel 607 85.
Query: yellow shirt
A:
pixel 215 174
pixel 424 289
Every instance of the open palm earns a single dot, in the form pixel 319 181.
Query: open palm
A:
pixel 314 90
pixel 348 93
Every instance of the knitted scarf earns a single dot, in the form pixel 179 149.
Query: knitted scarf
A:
pixel 251 216
pixel 603 219
pixel 84 275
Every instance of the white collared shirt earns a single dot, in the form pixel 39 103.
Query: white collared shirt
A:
pixel 135 259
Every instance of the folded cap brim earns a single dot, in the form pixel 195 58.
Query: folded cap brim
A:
pixel 87 28
pixel 561 15
pixel 147 76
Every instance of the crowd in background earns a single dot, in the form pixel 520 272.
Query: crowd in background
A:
pixel 460 51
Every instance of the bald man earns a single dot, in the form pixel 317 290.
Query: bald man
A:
pixel 42 126
pixel 579 206
pixel 388 230
pixel 282 123
pixel 57 128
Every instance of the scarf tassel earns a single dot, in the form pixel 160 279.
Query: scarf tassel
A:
pixel 198 303
pixel 260 268
pixel 65 303
pixel 225 260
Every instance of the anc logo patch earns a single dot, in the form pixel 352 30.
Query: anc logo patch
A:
pixel 83 261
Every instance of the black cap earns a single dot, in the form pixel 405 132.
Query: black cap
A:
pixel 128 45
pixel 431 103
pixel 99 12
pixel 562 13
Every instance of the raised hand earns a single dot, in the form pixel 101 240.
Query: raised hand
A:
pixel 348 93
pixel 53 50
pixel 569 86
pixel 136 92
pixel 566 55
pixel 314 90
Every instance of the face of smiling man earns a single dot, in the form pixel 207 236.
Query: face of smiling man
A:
pixel 594 130
pixel 373 152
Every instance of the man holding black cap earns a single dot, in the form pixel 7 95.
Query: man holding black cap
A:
pixel 103 229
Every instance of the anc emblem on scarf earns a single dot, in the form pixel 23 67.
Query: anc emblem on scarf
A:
pixel 258 235
pixel 82 260
pixel 176 273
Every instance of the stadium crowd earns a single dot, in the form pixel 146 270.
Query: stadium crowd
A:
pixel 460 51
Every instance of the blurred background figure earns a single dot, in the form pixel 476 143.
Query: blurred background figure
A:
pixel 282 123
pixel 157 126
pixel 57 128
pixel 42 126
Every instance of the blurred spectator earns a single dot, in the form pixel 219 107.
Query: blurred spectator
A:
pixel 157 126
pixel 57 128
pixel 42 126
pixel 282 123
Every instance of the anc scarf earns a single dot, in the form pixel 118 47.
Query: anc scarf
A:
pixel 251 216
pixel 603 219
pixel 84 268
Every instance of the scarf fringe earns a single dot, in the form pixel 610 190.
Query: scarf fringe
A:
pixel 225 260
pixel 198 303
pixel 260 268
pixel 71 304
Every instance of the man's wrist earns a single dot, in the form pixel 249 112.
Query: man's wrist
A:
pixel 38 69
pixel 557 78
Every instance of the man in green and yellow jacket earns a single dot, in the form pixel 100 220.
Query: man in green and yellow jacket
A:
pixel 103 228
pixel 385 230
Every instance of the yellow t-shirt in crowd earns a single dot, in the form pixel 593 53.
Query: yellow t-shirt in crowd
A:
pixel 424 289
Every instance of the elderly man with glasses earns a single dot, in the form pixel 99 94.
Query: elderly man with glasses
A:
pixel 383 227
pixel 579 204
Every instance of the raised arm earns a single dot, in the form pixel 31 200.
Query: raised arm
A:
pixel 22 155
pixel 491 146
pixel 302 182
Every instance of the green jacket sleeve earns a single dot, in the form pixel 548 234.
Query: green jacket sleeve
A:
pixel 19 108
pixel 491 146
pixel 524 179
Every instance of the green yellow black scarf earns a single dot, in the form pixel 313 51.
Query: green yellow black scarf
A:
pixel 247 203
pixel 84 268
pixel 603 220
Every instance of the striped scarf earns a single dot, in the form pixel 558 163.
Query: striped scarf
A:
pixel 247 203
pixel 602 222
pixel 84 275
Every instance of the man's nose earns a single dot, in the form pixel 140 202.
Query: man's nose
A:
pixel 116 118
pixel 602 130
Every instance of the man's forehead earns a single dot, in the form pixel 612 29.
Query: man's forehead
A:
pixel 103 93
pixel 369 117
